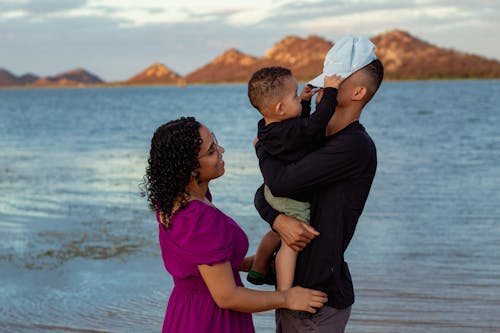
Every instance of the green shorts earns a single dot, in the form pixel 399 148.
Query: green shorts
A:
pixel 298 209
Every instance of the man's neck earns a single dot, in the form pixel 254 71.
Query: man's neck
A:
pixel 341 119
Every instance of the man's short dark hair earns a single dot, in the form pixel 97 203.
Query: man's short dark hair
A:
pixel 374 71
pixel 267 84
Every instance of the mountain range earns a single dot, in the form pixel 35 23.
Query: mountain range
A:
pixel 404 56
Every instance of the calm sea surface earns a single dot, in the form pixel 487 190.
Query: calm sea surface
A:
pixel 79 250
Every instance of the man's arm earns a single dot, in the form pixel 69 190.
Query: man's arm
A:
pixel 333 162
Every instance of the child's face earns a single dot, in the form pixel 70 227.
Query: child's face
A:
pixel 291 101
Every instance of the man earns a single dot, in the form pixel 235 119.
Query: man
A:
pixel 336 179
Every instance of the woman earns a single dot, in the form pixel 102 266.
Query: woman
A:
pixel 202 248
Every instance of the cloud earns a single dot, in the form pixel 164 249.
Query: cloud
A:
pixel 52 6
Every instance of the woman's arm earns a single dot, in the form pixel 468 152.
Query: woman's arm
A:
pixel 227 295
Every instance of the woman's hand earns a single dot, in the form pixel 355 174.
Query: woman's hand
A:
pixel 302 299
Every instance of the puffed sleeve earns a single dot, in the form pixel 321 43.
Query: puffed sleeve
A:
pixel 205 236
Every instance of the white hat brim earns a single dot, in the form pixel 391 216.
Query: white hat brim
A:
pixel 318 81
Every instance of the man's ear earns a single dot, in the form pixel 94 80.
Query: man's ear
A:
pixel 359 93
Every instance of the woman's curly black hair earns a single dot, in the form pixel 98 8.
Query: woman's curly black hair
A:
pixel 172 160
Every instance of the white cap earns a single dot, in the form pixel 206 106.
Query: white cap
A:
pixel 348 55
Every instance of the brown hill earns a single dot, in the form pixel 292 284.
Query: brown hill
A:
pixel 407 57
pixel 77 77
pixel 404 57
pixel 231 66
pixel 7 78
pixel 303 56
pixel 155 74
pixel 27 78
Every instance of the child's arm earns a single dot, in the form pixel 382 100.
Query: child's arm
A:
pixel 314 127
pixel 305 100
pixel 292 138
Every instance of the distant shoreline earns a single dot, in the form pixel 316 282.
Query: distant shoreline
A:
pixel 118 85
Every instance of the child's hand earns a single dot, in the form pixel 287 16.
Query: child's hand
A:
pixel 307 93
pixel 333 81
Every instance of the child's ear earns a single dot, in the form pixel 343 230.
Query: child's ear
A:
pixel 278 109
pixel 359 93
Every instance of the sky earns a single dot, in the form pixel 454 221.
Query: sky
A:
pixel 116 39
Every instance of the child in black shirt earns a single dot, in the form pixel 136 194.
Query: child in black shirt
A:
pixel 287 131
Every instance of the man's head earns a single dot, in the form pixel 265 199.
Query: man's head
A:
pixel 361 86
pixel 347 56
pixel 273 92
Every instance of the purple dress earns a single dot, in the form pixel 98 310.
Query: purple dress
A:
pixel 201 234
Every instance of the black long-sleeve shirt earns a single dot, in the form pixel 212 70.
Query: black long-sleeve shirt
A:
pixel 336 179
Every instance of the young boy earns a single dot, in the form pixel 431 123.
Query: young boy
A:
pixel 288 132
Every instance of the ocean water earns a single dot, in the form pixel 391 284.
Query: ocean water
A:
pixel 79 250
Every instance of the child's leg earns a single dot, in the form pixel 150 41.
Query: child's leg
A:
pixel 285 266
pixel 267 246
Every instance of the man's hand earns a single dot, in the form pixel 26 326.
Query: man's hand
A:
pixel 295 233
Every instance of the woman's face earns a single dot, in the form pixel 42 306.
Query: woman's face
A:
pixel 210 156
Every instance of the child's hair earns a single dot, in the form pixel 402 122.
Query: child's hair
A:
pixel 374 72
pixel 266 85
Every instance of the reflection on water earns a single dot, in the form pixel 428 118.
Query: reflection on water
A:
pixel 79 249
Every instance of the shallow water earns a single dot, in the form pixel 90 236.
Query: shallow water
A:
pixel 79 248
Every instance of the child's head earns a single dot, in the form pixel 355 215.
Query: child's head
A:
pixel 273 92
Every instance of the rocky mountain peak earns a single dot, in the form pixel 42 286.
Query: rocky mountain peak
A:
pixel 294 50
pixel 157 73
pixel 234 57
